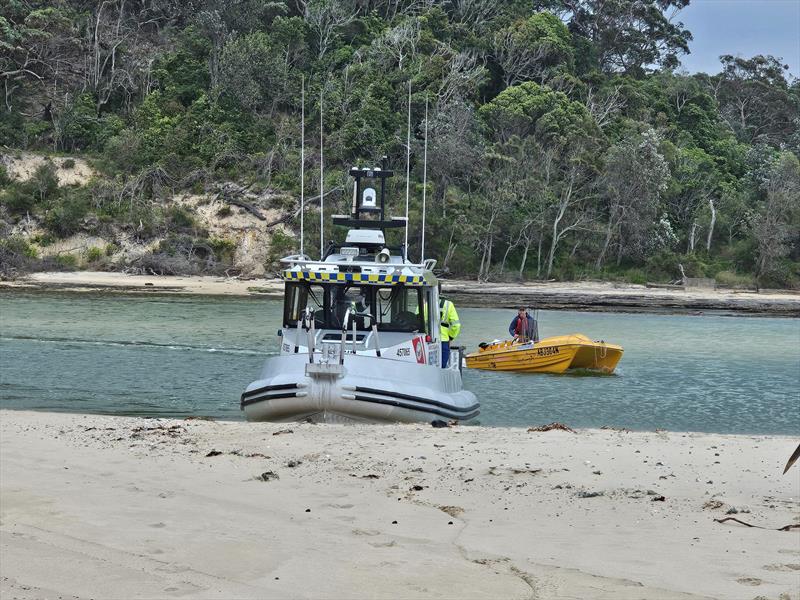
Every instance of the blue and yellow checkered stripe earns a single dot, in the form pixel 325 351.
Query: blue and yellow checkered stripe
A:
pixel 352 277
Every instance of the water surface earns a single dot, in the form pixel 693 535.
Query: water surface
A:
pixel 179 356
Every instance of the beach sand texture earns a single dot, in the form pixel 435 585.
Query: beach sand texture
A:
pixel 576 295
pixel 119 507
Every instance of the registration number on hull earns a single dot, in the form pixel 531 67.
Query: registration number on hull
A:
pixel 548 351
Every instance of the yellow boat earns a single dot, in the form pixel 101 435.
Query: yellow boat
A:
pixel 551 355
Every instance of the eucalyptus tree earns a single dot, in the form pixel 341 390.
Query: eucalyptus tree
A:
pixel 626 35
pixel 634 177
pixel 533 48
pixel 755 99
pixel 777 222
pixel 565 143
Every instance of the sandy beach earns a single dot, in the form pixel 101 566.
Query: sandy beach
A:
pixel 596 296
pixel 118 507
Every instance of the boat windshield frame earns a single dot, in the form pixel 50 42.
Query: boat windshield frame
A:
pixel 390 306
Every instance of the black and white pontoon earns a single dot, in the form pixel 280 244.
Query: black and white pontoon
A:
pixel 360 338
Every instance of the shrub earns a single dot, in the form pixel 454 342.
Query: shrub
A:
pixel 94 254
pixel 281 244
pixel 45 181
pixel 16 255
pixel 68 261
pixel 66 217
pixel 637 276
pixel 5 179
pixel 734 280
pixel 111 249
pixel 179 219
pixel 223 249
pixel 225 211
pixel 68 164
pixel 18 199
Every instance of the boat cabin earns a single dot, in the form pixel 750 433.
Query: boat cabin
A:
pixel 364 296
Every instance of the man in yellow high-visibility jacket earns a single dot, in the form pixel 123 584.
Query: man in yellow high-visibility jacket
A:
pixel 450 327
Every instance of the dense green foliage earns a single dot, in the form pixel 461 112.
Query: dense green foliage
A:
pixel 562 140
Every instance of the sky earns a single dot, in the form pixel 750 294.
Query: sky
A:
pixel 741 27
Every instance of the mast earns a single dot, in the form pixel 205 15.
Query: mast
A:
pixel 302 158
pixel 424 180
pixel 321 187
pixel 408 169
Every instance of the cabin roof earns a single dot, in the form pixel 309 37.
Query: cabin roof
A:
pixel 349 277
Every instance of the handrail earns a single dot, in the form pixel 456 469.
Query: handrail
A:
pixel 350 317
pixel 345 322
pixel 308 325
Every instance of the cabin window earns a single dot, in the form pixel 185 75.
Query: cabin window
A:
pixel 395 308
pixel 400 309
pixel 300 296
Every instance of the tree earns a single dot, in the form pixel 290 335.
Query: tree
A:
pixel 258 69
pixel 634 178
pixel 627 35
pixel 755 99
pixel 325 18
pixel 532 48
pixel 778 218
pixel 529 108
pixel 694 185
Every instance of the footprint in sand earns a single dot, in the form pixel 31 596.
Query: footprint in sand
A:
pixel 753 581
pixel 784 568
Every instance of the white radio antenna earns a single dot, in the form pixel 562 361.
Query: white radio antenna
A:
pixel 302 158
pixel 408 168
pixel 321 186
pixel 424 180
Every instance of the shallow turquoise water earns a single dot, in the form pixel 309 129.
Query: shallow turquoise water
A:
pixel 172 356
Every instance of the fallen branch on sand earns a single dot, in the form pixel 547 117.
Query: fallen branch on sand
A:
pixel 784 528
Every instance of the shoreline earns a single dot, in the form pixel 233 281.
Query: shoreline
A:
pixel 194 508
pixel 465 426
pixel 579 296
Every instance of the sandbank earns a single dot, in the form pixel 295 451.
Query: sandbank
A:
pixel 120 507
pixel 596 296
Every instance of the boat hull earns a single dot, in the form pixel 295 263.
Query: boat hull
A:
pixel 364 389
pixel 551 355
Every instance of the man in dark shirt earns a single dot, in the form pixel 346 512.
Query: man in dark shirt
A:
pixel 523 327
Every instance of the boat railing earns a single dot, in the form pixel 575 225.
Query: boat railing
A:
pixel 456 358
pixel 308 324
pixel 349 319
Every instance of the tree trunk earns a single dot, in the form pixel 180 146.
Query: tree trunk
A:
pixel 692 234
pixel 599 264
pixel 554 242
pixel 711 225
pixel 488 265
pixel 539 258
pixel 524 256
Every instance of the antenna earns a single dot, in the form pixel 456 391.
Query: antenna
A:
pixel 424 180
pixel 408 168
pixel 321 186
pixel 302 158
